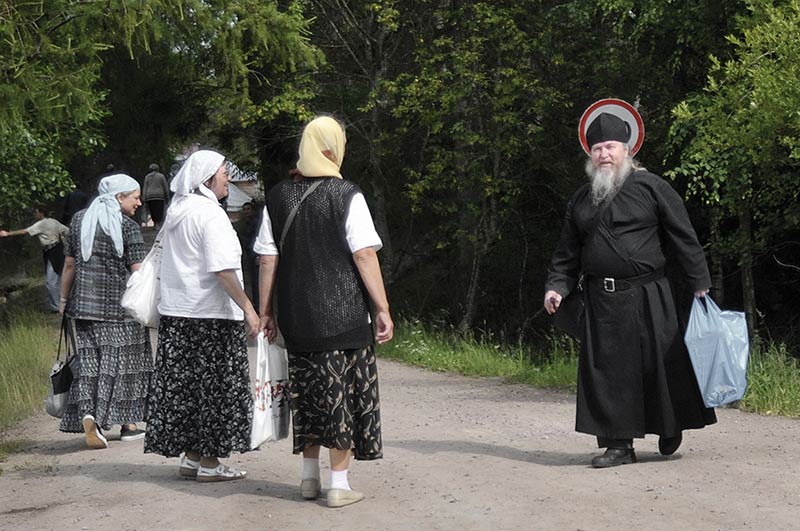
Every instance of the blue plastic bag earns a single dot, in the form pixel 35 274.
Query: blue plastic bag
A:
pixel 719 348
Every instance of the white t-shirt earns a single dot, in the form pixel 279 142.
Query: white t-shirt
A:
pixel 359 228
pixel 202 244
pixel 48 230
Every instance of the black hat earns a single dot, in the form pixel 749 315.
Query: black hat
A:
pixel 608 127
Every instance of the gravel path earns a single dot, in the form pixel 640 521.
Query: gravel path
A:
pixel 460 453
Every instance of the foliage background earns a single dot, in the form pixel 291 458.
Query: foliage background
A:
pixel 461 120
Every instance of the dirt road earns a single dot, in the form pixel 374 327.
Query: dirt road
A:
pixel 460 453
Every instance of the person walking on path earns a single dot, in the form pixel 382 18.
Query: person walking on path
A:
pixel 155 193
pixel 51 235
pixel 635 376
pixel 115 361
pixel 324 270
pixel 201 405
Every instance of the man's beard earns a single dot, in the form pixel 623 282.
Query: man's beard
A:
pixel 606 181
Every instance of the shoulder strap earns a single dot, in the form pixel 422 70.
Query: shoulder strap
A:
pixel 293 213
pixel 598 217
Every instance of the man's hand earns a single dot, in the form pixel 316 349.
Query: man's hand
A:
pixel 3 233
pixel 552 300
pixel 384 326
pixel 701 293
pixel 267 325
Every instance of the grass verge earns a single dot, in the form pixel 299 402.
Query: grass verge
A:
pixel 442 351
pixel 28 344
pixel 773 382
pixel 773 373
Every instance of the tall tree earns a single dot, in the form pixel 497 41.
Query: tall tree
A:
pixel 739 140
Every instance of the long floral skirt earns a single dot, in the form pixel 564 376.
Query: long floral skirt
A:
pixel 200 400
pixel 335 401
pixel 112 376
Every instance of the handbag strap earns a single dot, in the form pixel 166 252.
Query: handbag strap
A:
pixel 293 213
pixel 63 335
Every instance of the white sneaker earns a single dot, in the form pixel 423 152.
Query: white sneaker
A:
pixel 94 437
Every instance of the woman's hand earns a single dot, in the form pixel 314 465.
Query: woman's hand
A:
pixel 267 325
pixel 251 318
pixel 384 326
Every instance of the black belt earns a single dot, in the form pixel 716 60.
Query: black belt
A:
pixel 621 284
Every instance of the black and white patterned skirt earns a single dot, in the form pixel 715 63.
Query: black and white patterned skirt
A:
pixel 200 400
pixel 335 401
pixel 113 374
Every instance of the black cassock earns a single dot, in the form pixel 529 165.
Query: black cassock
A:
pixel 634 374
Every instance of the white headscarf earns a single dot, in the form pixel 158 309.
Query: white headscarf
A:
pixel 198 168
pixel 105 211
pixel 321 134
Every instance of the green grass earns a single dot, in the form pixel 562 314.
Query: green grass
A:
pixel 28 344
pixel 773 382
pixel 446 351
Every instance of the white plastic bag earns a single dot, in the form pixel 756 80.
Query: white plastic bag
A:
pixel 719 348
pixel 271 394
pixel 143 290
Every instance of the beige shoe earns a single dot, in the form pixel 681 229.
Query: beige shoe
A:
pixel 342 497
pixel 94 437
pixel 310 489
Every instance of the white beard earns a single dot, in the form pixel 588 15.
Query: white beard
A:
pixel 606 181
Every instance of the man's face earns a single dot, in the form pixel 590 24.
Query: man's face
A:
pixel 609 155
pixel 247 210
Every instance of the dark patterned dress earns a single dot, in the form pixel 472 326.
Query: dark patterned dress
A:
pixel 335 401
pixel 201 397
pixel 115 363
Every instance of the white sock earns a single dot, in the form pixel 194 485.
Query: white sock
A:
pixel 310 468
pixel 339 480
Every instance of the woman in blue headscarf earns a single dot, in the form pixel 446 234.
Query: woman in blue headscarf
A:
pixel 115 361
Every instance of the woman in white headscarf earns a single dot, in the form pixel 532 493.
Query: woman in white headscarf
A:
pixel 325 279
pixel 115 361
pixel 200 405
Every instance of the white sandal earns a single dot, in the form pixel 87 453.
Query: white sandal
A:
pixel 188 467
pixel 220 473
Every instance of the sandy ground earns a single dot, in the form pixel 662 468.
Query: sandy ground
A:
pixel 460 453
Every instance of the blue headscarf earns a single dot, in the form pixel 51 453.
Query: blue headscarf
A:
pixel 105 211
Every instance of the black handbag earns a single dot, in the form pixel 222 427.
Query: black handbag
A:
pixel 61 376
pixel 569 316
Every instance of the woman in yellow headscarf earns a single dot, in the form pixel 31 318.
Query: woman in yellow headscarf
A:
pixel 323 265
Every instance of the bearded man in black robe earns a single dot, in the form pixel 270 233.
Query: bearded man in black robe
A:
pixel 634 376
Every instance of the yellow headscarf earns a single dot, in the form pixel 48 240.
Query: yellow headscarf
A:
pixel 321 134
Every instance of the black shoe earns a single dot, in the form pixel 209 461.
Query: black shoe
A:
pixel 669 445
pixel 614 457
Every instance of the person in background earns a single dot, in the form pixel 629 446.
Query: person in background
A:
pixel 201 405
pixel 74 202
pixel 51 235
pixel 247 229
pixel 155 193
pixel 325 274
pixel 634 372
pixel 115 361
